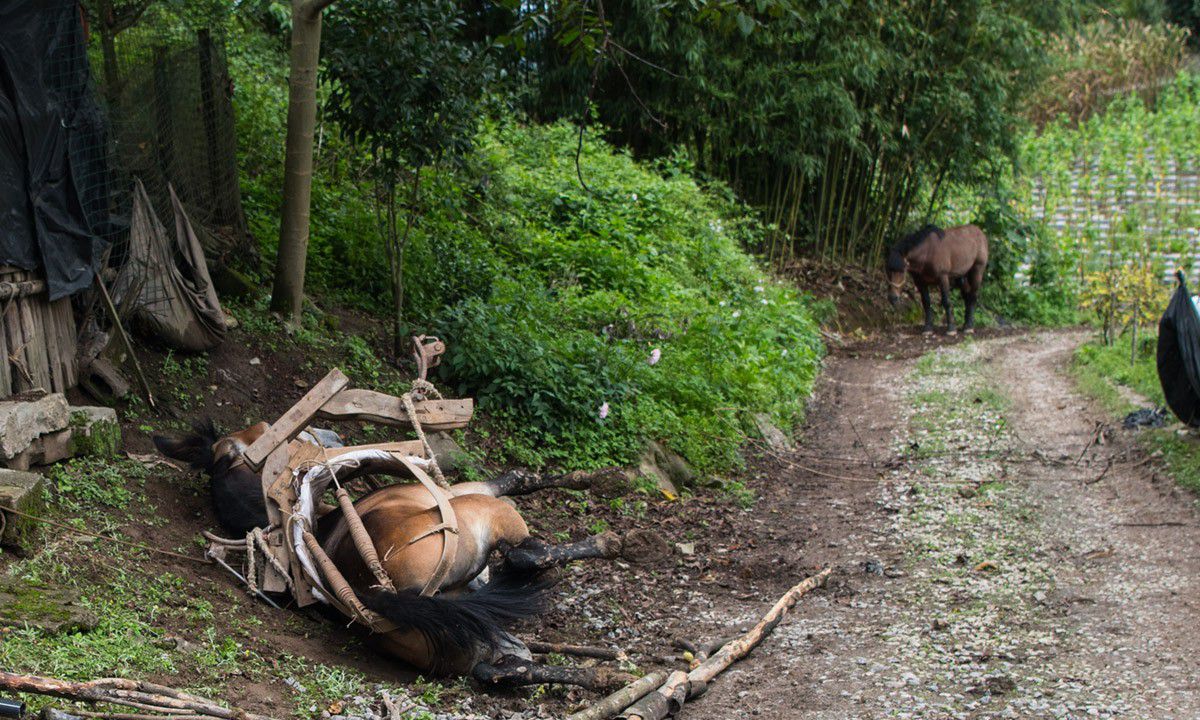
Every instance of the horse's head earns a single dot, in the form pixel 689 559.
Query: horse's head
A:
pixel 236 488
pixel 897 260
pixel 204 449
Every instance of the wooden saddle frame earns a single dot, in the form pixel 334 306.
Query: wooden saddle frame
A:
pixel 291 558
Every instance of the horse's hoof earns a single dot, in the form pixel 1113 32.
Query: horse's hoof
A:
pixel 927 333
pixel 951 333
pixel 969 331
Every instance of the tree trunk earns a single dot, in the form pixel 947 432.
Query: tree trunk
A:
pixel 108 49
pixel 287 295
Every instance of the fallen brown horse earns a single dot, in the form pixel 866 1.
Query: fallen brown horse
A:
pixel 463 628
pixel 942 258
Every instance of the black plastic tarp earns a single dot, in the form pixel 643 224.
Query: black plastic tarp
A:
pixel 1179 355
pixel 55 210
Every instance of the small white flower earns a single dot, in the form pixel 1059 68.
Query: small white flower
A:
pixel 722 303
pixel 604 411
pixel 655 354
pixel 634 196
pixel 737 313
pixel 765 302
pixel 758 288
pixel 785 352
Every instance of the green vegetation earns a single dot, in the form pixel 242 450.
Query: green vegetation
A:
pixel 1101 371
pixel 1101 368
pixel 1132 151
pixel 1101 62
pixel 837 118
pixel 88 483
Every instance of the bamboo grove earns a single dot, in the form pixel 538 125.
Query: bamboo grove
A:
pixel 842 121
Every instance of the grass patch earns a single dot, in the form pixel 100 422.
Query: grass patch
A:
pixel 1181 453
pixel 1101 371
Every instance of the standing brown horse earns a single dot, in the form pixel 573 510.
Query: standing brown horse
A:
pixel 933 256
pixel 463 627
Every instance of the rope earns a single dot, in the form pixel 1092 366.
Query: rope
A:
pixel 421 388
pixel 98 536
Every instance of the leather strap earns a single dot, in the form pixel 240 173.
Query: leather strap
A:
pixel 448 527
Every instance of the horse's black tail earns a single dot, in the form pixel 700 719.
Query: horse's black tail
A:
pixel 454 624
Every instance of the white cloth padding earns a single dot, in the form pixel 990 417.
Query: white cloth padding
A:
pixel 313 485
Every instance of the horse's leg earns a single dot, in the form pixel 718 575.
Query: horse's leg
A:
pixel 534 554
pixel 523 482
pixel 944 287
pixel 971 285
pixel 514 671
pixel 927 306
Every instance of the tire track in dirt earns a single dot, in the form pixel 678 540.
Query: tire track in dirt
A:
pixel 1128 592
pixel 810 660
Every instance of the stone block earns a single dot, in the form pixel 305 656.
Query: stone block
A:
pixel 25 492
pixel 23 421
pixel 97 432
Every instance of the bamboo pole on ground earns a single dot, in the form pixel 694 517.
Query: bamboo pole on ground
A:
pixel 141 695
pixel 681 687
pixel 622 698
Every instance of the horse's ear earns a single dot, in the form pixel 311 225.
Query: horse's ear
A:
pixel 193 449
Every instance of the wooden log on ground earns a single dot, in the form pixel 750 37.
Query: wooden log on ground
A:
pixel 666 700
pixel 601 653
pixel 622 698
pixel 678 690
pixel 740 648
pixel 140 695
pixel 701 650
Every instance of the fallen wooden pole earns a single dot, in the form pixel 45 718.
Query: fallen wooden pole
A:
pixel 622 698
pixel 600 653
pixel 145 696
pixel 681 687
pixel 666 700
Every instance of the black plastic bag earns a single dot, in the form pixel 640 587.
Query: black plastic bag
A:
pixel 1179 355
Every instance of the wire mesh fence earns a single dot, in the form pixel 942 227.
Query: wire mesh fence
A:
pixel 167 94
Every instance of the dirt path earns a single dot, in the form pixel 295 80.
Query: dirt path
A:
pixel 982 572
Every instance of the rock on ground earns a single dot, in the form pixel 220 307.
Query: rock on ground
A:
pixel 22 421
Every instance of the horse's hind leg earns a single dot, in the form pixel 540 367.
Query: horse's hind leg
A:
pixel 513 671
pixel 971 284
pixel 523 482
pixel 944 286
pixel 534 554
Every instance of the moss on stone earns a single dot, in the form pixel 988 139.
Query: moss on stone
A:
pixel 94 438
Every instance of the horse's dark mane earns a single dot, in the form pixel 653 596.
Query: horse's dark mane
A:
pixel 895 261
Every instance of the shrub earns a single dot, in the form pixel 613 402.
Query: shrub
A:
pixel 582 287
pixel 1103 60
